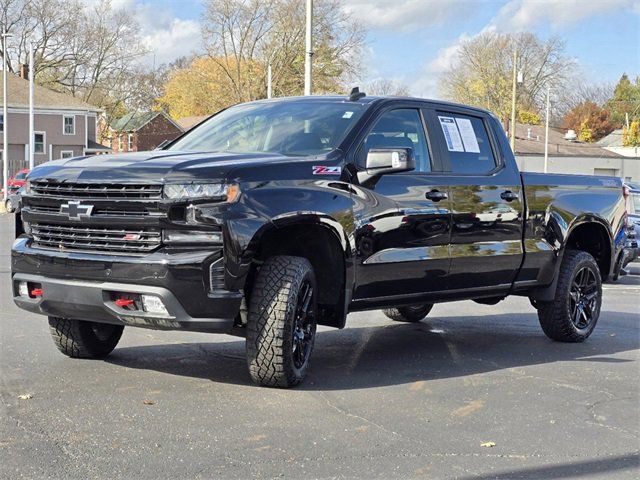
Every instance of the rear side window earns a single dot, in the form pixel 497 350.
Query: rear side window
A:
pixel 401 128
pixel 466 142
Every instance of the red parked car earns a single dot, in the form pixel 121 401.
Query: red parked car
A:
pixel 18 180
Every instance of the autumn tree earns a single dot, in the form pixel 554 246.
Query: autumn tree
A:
pixel 200 88
pixel 244 36
pixel 631 135
pixel 483 70
pixel 589 121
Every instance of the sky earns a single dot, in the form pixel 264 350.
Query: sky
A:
pixel 414 41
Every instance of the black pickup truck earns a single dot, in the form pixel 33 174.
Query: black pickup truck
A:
pixel 274 216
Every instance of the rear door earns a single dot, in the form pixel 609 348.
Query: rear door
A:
pixel 486 201
pixel 404 219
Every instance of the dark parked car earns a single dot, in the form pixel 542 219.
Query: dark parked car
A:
pixel 275 216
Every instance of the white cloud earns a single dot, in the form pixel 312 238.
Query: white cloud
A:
pixel 426 82
pixel 518 15
pixel 405 14
pixel 165 34
pixel 514 16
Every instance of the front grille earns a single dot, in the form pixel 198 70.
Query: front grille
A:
pixel 95 239
pixel 94 190
pixel 100 211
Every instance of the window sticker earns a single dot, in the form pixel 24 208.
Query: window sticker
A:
pixel 451 134
pixel 468 135
pixel 347 115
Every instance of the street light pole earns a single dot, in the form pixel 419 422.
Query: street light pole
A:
pixel 269 81
pixel 546 132
pixel 308 48
pixel 5 119
pixel 512 127
pixel 32 71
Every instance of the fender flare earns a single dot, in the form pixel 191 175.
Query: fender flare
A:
pixel 548 293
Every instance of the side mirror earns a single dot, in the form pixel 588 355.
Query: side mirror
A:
pixel 390 160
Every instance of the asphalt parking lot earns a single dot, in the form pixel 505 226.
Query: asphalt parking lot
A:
pixel 382 400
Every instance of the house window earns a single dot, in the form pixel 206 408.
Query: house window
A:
pixel 69 124
pixel 1 122
pixel 119 142
pixel 66 154
pixel 130 142
pixel 38 142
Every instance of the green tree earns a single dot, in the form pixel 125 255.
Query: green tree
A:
pixel 625 101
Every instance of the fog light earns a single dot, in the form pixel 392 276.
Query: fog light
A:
pixel 23 289
pixel 153 304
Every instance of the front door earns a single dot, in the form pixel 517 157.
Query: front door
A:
pixel 403 219
pixel 486 202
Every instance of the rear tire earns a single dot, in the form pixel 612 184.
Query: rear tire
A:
pixel 282 322
pixel 84 339
pixel 410 314
pixel 573 314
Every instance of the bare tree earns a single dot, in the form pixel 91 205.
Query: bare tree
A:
pixel 383 86
pixel 89 52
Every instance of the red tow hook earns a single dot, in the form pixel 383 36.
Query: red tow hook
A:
pixel 124 302
pixel 36 292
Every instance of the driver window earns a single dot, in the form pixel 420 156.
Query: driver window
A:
pixel 400 128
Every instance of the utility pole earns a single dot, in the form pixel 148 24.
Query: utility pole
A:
pixel 512 127
pixel 546 132
pixel 5 118
pixel 269 84
pixel 308 48
pixel 32 141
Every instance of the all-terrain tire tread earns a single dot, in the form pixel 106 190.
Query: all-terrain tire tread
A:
pixel 554 316
pixel 76 339
pixel 403 314
pixel 270 306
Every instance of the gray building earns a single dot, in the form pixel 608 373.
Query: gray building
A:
pixel 573 157
pixel 64 126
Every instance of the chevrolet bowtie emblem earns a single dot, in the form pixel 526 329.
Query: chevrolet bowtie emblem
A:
pixel 76 210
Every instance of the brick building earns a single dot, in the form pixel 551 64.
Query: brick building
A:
pixel 137 132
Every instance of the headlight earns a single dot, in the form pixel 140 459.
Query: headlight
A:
pixel 191 236
pixel 27 187
pixel 219 191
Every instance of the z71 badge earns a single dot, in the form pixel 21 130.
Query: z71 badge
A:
pixel 324 170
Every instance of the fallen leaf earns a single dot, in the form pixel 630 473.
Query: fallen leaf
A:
pixel 488 444
pixel 148 402
pixel 25 396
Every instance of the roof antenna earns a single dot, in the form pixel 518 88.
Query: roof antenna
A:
pixel 356 94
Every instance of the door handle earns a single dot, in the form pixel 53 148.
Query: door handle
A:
pixel 509 196
pixel 436 195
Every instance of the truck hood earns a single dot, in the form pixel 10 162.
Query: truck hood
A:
pixel 161 166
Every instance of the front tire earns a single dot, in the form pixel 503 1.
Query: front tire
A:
pixel 84 339
pixel 410 314
pixel 573 314
pixel 282 322
pixel 8 205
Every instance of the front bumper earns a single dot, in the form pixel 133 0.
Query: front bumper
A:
pixel 81 285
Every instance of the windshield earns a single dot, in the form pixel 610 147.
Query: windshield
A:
pixel 21 176
pixel 292 128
